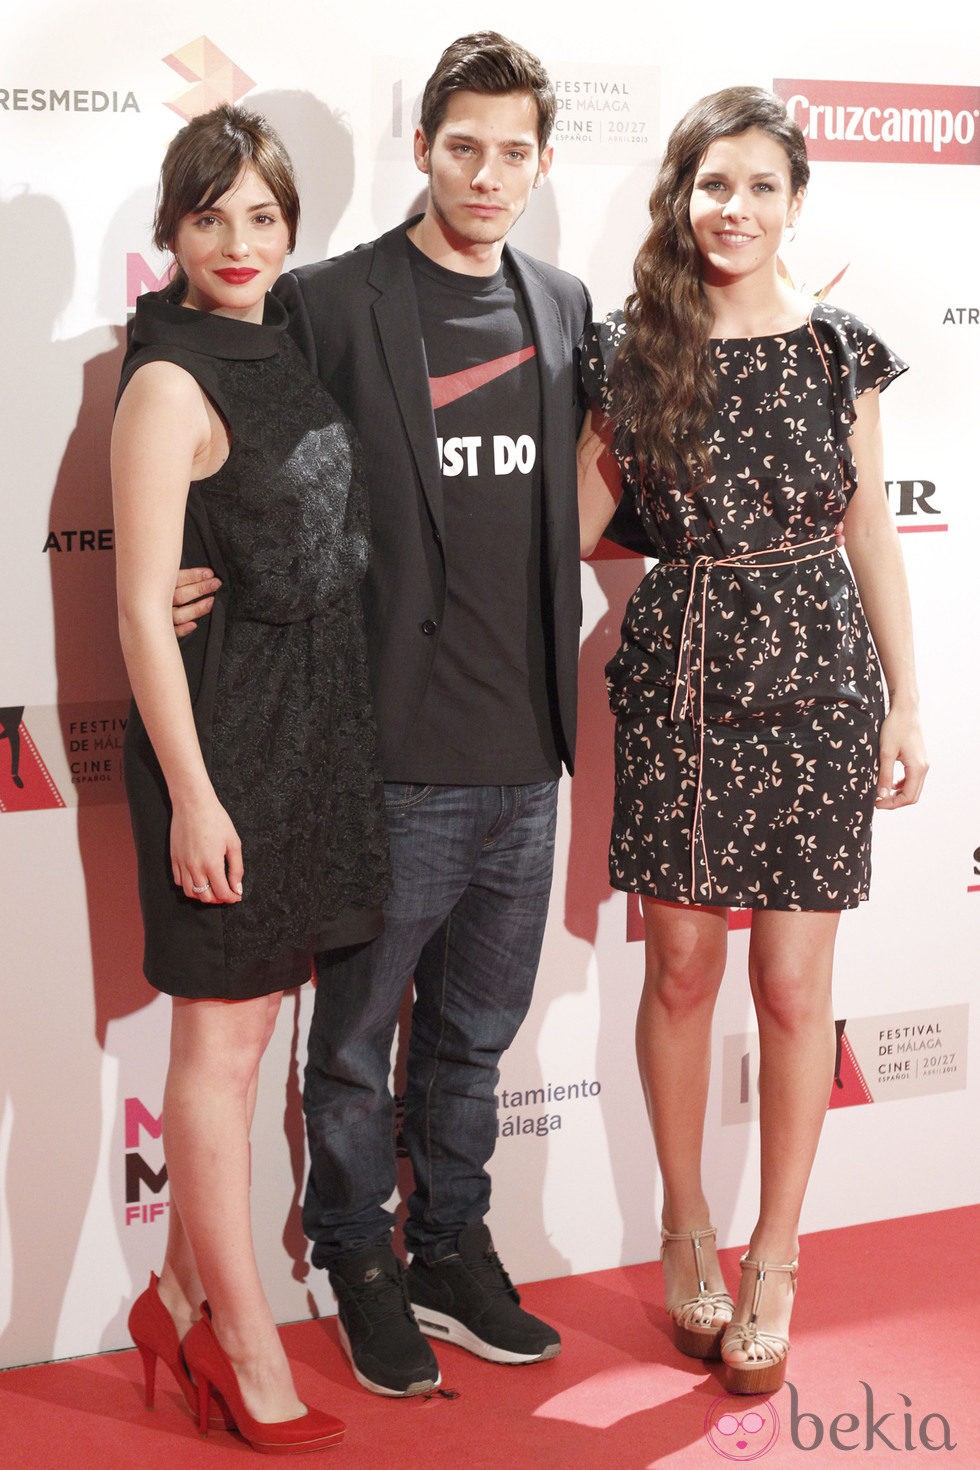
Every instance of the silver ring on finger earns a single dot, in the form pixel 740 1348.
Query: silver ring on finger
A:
pixel 200 887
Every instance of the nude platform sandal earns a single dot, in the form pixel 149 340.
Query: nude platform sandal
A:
pixel 693 1335
pixel 766 1373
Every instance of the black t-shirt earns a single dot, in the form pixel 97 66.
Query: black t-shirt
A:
pixel 486 715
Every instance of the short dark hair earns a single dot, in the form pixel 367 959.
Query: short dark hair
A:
pixel 204 160
pixel 488 63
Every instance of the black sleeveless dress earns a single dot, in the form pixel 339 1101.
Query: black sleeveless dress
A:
pixel 746 689
pixel 277 673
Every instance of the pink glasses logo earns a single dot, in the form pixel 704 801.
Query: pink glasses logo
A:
pixel 741 1432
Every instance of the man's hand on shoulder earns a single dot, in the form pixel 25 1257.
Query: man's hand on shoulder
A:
pixel 193 597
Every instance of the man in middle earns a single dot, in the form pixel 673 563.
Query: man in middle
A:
pixel 455 357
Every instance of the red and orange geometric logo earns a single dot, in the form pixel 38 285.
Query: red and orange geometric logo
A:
pixel 215 76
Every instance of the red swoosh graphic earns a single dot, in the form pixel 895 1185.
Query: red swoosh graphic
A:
pixel 457 385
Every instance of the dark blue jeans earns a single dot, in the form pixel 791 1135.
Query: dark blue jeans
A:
pixel 472 869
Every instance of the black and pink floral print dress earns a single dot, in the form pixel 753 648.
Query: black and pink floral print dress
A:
pixel 746 689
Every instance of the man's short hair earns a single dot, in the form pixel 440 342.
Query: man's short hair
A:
pixel 488 63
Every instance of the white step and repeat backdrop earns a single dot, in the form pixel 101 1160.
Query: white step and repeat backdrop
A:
pixel 88 101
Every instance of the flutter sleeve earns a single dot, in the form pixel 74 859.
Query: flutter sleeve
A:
pixel 861 361
pixel 597 353
pixel 856 361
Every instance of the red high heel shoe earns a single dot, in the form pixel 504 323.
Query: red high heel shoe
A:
pixel 213 1371
pixel 152 1329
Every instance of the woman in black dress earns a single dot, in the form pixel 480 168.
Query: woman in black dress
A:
pixel 752 745
pixel 250 748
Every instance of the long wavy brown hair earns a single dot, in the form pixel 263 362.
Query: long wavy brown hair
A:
pixel 663 382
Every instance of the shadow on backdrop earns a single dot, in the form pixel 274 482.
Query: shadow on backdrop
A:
pixel 49 1057
pixel 320 144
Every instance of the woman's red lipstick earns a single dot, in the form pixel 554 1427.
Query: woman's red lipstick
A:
pixel 238 275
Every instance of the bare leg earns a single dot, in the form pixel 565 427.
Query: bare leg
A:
pixel 181 1289
pixel 215 1050
pixel 686 948
pixel 790 969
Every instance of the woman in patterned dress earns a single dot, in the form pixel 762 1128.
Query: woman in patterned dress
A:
pixel 752 746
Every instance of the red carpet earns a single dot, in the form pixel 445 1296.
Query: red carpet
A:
pixel 884 1358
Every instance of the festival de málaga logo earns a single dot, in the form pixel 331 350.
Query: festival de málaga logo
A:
pixel 61 755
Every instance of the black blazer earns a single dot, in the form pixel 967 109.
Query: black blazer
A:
pixel 356 318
